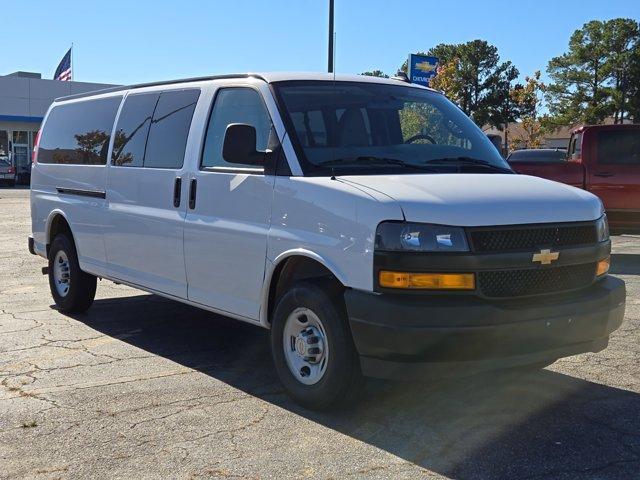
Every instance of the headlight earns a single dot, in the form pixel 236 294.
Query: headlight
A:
pixel 420 237
pixel 602 228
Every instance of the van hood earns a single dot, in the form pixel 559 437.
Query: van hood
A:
pixel 481 199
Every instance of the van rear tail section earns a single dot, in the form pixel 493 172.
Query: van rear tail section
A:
pixel 69 174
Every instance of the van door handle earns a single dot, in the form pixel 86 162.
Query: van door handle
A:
pixel 177 190
pixel 603 174
pixel 192 193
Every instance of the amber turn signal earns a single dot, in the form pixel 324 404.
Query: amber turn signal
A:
pixel 427 281
pixel 603 266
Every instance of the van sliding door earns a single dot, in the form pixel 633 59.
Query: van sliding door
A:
pixel 144 234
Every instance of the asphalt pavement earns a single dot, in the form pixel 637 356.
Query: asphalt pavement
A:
pixel 144 387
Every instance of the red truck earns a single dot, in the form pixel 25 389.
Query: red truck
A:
pixel 603 159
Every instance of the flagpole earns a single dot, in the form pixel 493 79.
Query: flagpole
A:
pixel 330 56
pixel 71 66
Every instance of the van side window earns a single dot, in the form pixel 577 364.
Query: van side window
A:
pixel 133 127
pixel 170 128
pixel 619 147
pixel 78 133
pixel 235 105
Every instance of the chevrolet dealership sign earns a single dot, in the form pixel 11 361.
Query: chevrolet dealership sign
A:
pixel 422 69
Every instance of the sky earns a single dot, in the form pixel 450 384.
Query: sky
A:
pixel 125 42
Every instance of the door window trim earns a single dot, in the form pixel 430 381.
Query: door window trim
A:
pixel 230 169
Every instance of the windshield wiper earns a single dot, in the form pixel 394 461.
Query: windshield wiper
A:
pixel 372 160
pixel 468 161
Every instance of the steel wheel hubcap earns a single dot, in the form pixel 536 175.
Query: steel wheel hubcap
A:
pixel 61 273
pixel 305 346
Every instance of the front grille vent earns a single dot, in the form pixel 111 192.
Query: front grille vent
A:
pixel 508 239
pixel 517 283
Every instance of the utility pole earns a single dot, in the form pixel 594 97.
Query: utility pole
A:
pixel 330 63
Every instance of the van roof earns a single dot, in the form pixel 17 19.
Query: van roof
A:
pixel 269 77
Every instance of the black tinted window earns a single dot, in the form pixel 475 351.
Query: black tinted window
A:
pixel 358 127
pixel 541 156
pixel 235 105
pixel 132 129
pixel 169 129
pixel 78 133
pixel 619 147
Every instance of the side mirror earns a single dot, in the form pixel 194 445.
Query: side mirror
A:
pixel 240 145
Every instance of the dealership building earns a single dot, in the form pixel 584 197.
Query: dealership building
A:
pixel 24 100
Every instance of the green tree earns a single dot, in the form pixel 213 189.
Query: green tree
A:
pixel 622 37
pixel 448 80
pixel 633 104
pixel 528 97
pixel 499 107
pixel 475 73
pixel 592 79
pixel 375 73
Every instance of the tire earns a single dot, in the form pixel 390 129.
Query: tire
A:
pixel 341 379
pixel 76 294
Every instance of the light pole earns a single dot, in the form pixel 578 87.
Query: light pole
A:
pixel 330 63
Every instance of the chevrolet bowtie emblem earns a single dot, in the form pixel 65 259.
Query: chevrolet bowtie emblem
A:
pixel 545 257
pixel 425 67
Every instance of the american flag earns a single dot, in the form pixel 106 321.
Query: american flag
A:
pixel 63 72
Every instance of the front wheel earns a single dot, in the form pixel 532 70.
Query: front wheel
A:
pixel 72 289
pixel 312 347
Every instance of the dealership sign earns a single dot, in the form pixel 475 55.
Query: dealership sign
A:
pixel 422 69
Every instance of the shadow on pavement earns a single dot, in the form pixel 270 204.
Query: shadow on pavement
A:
pixel 535 425
pixel 625 264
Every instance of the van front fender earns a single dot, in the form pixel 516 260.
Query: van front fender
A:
pixel 272 266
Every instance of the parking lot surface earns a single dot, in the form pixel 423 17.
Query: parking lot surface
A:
pixel 143 387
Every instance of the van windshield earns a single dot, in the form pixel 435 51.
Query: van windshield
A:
pixel 372 128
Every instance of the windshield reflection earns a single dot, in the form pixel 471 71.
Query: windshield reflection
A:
pixel 369 127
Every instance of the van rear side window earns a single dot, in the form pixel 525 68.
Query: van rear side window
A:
pixel 78 133
pixel 170 128
pixel 132 130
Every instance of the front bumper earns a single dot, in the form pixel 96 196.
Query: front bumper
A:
pixel 407 336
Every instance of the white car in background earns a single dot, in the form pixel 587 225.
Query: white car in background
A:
pixel 7 171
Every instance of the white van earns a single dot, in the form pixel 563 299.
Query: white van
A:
pixel 367 222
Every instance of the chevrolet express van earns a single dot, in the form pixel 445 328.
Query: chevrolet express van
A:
pixel 367 222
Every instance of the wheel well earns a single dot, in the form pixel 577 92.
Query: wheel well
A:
pixel 58 225
pixel 297 268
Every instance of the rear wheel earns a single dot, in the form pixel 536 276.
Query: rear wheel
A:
pixel 72 289
pixel 312 347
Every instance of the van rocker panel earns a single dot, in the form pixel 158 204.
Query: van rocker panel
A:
pixel 407 336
